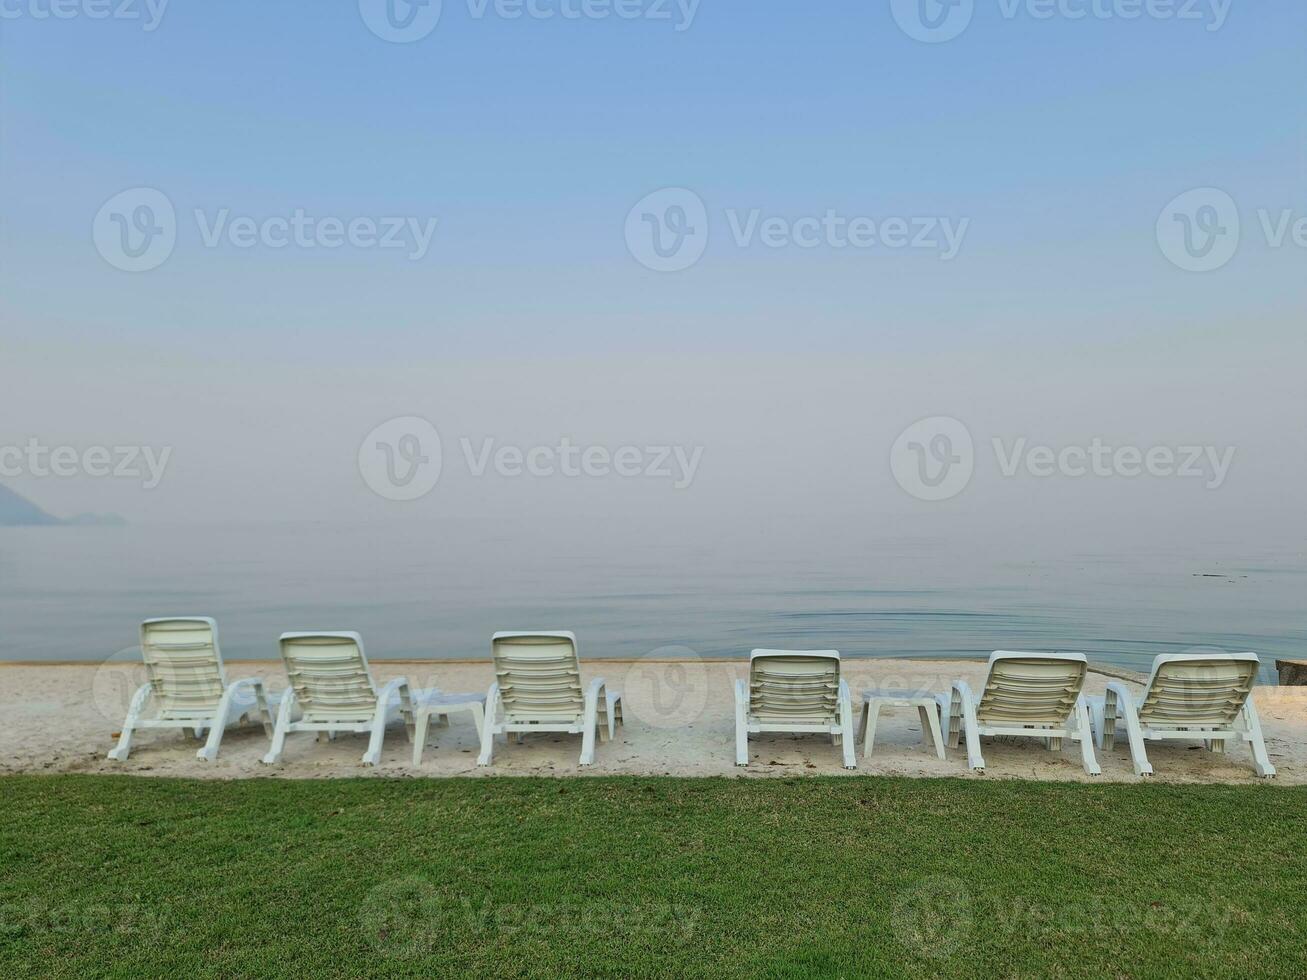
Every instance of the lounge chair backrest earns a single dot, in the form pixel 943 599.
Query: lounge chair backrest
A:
pixel 330 675
pixel 1031 688
pixel 539 676
pixel 184 665
pixel 1204 690
pixel 795 686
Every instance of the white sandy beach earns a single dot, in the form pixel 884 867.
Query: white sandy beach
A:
pixel 679 721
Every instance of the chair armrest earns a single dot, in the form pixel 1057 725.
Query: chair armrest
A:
pixel 142 695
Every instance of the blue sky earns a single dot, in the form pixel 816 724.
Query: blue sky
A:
pixel 1058 141
pixel 530 139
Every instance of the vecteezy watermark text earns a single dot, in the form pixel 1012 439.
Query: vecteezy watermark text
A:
pixel 302 230
pixel 148 12
pixel 934 917
pixel 136 230
pixel 667 230
pixel 406 21
pixel 936 21
pixel 36 459
pixel 934 459
pixel 402 459
pixel 411 917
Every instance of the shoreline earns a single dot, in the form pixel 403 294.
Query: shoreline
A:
pixel 1108 670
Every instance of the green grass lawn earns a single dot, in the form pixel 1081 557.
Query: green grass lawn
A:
pixel 658 877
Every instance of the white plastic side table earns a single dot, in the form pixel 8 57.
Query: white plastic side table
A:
pixel 441 705
pixel 874 700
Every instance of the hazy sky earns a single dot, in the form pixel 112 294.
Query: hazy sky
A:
pixel 1049 146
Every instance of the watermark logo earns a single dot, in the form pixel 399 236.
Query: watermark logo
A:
pixel 116 680
pixel 933 459
pixel 136 230
pixel 933 918
pixel 933 21
pixel 1202 229
pixel 401 459
pixel 667 231
pixel 1199 231
pixel 667 688
pixel 400 21
pixel 148 12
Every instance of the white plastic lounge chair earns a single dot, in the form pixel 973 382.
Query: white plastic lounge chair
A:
pixel 538 689
pixel 794 691
pixel 1188 696
pixel 331 684
pixel 1032 695
pixel 189 686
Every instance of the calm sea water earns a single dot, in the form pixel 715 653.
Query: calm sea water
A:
pixel 78 594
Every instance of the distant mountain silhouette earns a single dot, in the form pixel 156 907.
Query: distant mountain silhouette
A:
pixel 17 511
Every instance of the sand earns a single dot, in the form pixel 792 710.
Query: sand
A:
pixel 679 721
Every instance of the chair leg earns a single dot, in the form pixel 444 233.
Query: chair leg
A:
pixel 870 716
pixel 407 708
pixel 281 728
pixel 1256 742
pixel 377 735
pixel 1127 711
pixel 216 730
pixel 614 713
pixel 930 716
pixel 848 742
pixel 265 709
pixel 488 726
pixel 123 749
pixel 420 736
pixel 590 726
pixel 1085 736
pixel 741 727
pixel 971 729
pixel 487 754
pixel 478 718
